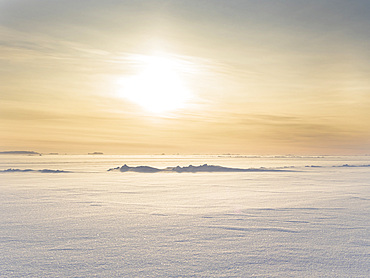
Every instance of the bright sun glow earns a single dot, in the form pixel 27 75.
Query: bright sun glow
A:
pixel 158 87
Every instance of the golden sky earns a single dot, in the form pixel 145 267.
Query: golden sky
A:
pixel 205 76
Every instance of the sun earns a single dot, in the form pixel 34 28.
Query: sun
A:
pixel 158 87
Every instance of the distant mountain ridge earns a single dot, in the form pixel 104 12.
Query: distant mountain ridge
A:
pixel 21 152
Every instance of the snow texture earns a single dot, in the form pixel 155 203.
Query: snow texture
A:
pixel 311 222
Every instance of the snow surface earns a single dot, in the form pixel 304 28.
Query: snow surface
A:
pixel 310 222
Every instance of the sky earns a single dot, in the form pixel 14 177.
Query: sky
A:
pixel 187 77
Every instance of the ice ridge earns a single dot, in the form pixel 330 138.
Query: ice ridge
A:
pixel 189 169
pixel 32 170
